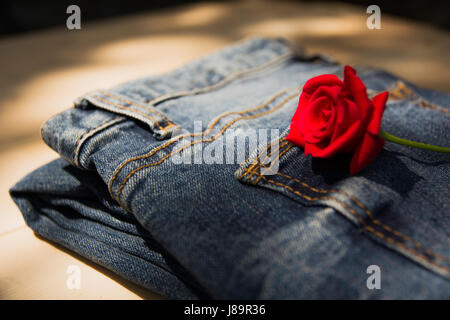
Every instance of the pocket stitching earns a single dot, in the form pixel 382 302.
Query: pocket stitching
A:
pixel 223 82
pixel 363 223
pixel 210 127
pixel 254 170
pixel 149 117
pixel 402 91
pixel 170 124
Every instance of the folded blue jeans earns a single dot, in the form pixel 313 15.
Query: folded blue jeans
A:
pixel 161 182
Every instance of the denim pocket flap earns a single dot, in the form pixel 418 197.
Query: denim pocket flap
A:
pixel 158 123
pixel 399 215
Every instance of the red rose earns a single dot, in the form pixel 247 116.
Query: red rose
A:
pixel 335 116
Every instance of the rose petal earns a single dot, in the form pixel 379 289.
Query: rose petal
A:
pixel 366 152
pixel 357 88
pixel 379 103
pixel 311 123
pixel 302 104
pixel 295 136
pixel 331 92
pixel 346 141
pixel 347 113
pixel 323 80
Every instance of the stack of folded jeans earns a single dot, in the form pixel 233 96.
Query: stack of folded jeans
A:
pixel 184 184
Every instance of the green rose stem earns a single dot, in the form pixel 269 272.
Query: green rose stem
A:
pixel 389 137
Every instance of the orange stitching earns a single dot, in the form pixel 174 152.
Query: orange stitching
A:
pixel 359 203
pixel 261 164
pixel 222 82
pixel 369 214
pixel 357 216
pixel 248 170
pixel 401 91
pixel 210 127
pixel 401 245
pixel 90 131
pixel 267 156
pixel 132 109
pixel 279 157
pixel 169 126
pixel 198 141
pixel 138 105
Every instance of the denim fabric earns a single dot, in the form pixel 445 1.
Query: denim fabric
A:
pixel 305 229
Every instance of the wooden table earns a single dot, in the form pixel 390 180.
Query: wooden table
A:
pixel 42 73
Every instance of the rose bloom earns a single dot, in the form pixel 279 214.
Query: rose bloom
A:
pixel 335 116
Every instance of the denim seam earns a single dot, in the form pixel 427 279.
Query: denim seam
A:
pixel 132 172
pixel 361 220
pixel 279 159
pixel 86 135
pixel 170 123
pixel 364 224
pixel 371 216
pixel 210 127
pixel 279 59
pixel 402 91
pixel 146 116
pixel 257 162
pixel 355 200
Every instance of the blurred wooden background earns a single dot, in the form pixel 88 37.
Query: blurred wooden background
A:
pixel 42 73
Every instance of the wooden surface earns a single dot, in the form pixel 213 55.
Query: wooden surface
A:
pixel 42 73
